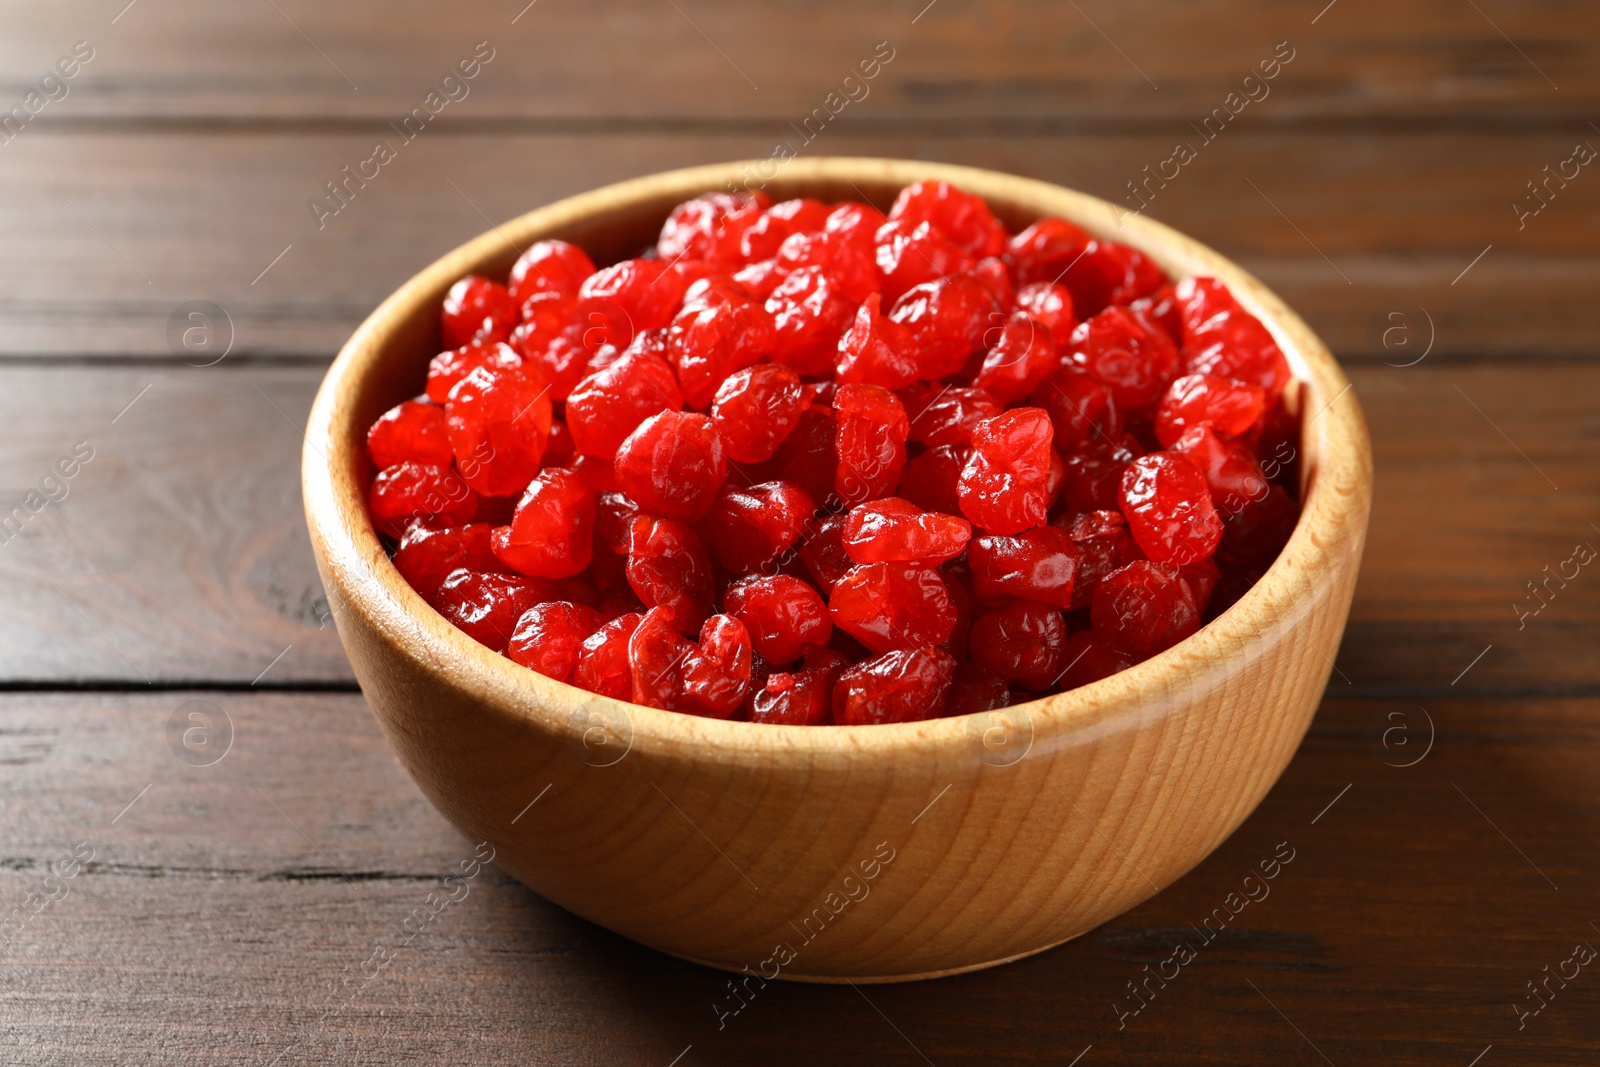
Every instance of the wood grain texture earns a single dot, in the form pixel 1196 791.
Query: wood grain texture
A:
pixel 208 930
pixel 183 544
pixel 203 215
pixel 1100 63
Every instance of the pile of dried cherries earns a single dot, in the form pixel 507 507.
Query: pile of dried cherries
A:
pixel 808 464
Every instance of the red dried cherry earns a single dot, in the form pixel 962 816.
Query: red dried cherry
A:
pixel 487 606
pixel 1110 274
pixel 448 368
pixel 1019 359
pixel 713 337
pixel 892 530
pixel 1039 564
pixel 619 301
pixel 549 637
pixel 477 308
pixel 1025 641
pixel 876 350
pixel 552 533
pixel 609 405
pixel 963 219
pixel 411 431
pixel 750 527
pixel 602 665
pixel 892 605
pixel 901 686
pixel 1143 609
pixel 1051 304
pixel 822 552
pixel 948 320
pixel 672 465
pixel 909 254
pixel 755 409
pixel 945 414
pixel 1044 251
pixel 1004 487
pixel 550 267
pixel 499 422
pixel 427 556
pixel 1220 337
pixel 809 315
pixel 871 442
pixel 784 615
pixel 1133 358
pixel 668 567
pixel 413 490
pixel 1228 407
pixel 1169 510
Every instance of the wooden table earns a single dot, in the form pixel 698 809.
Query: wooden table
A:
pixel 1442 813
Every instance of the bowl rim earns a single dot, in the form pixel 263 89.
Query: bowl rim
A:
pixel 1334 510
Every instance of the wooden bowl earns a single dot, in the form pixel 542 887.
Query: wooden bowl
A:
pixel 869 853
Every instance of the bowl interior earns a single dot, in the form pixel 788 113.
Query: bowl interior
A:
pixel 386 361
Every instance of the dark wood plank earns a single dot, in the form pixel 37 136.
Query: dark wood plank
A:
pixel 224 910
pixel 958 60
pixel 98 269
pixel 179 553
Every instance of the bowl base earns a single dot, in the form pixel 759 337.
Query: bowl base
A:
pixel 886 979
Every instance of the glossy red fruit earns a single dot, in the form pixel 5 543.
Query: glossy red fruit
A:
pixel 717 673
pixel 672 465
pixel 1022 354
pixel 949 320
pixel 550 267
pixel 931 480
pixel 1228 407
pixel 945 414
pixel 602 665
pixel 809 315
pixel 892 530
pixel 909 254
pixel 1233 477
pixel 1051 304
pixel 1089 660
pixel 415 490
pixel 448 368
pixel 1201 577
pixel 668 567
pixel 427 556
pixel 549 637
pixel 477 308
pixel 1220 337
pixel 617 302
pixel 410 432
pixel 1169 510
pixel 552 533
pixel 892 605
pixel 709 229
pixel 767 233
pixel 1043 251
pixel 976 689
pixel 1025 641
pixel 487 606
pixel 803 698
pixel 1093 482
pixel 871 442
pixel 1081 410
pixel 1143 609
pixel 876 350
pixel 1111 274
pixel 1004 487
pixel 755 409
pixel 747 528
pixel 1104 547
pixel 822 552
pixel 1133 358
pixel 710 339
pixel 562 359
pixel 784 615
pixel 963 219
pixel 809 456
pixel 1040 564
pixel 901 686
pixel 613 522
pixel 1257 533
pixel 499 423
pixel 854 219
pixel 846 260
pixel 609 405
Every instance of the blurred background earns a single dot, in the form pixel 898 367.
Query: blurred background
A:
pixel 198 203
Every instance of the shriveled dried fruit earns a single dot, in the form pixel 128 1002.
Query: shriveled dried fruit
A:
pixel 892 530
pixel 784 615
pixel 1169 508
pixel 549 637
pixel 892 605
pixel 906 685
pixel 1004 486
pixel 672 465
